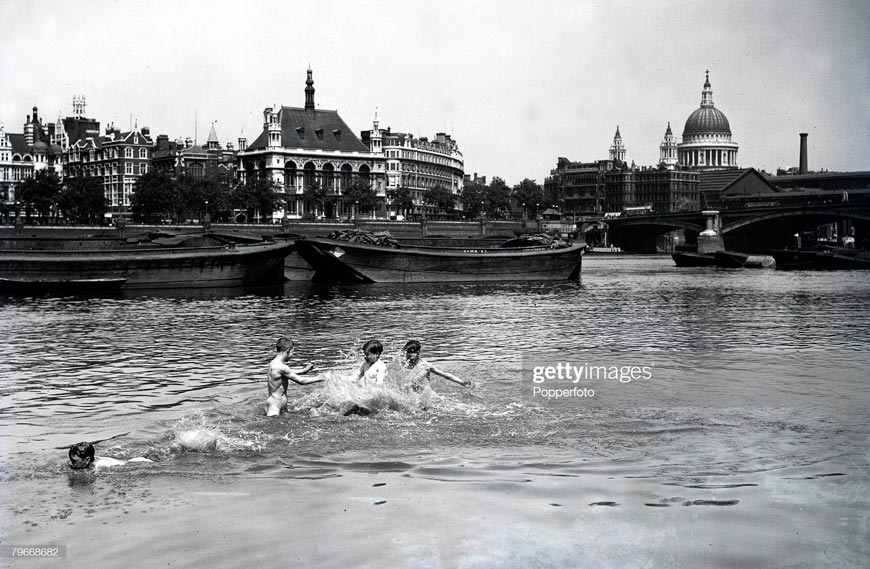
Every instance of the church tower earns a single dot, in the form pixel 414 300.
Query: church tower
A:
pixel 617 151
pixel 668 149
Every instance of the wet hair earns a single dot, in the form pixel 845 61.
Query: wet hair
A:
pixel 412 346
pixel 283 344
pixel 373 347
pixel 81 452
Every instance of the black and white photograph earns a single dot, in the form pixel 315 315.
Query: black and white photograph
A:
pixel 434 285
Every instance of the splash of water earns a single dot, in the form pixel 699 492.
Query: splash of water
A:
pixel 199 433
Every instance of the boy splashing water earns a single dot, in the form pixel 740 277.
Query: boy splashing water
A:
pixel 279 375
pixel 420 370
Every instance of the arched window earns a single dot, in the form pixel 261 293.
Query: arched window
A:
pixel 346 177
pixel 128 152
pixel 365 174
pixel 309 175
pixel 197 170
pixel 290 177
pixel 143 153
pixel 329 178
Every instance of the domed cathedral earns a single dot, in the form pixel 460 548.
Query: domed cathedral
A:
pixel 707 143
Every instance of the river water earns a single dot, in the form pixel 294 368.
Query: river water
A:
pixel 743 442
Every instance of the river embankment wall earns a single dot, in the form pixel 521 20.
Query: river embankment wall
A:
pixel 399 229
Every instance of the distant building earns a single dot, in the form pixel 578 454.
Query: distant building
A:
pixel 594 188
pixel 707 143
pixel 184 157
pixel 116 159
pixel 23 154
pixel 417 164
pixel 582 186
pixel 741 182
pixel 303 146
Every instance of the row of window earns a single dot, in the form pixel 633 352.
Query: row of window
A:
pixel 106 154
pixel 113 170
pixel 423 157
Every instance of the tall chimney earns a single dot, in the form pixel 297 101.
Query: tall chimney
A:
pixel 803 165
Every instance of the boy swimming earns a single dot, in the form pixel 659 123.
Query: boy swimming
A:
pixel 280 373
pixel 420 370
pixel 81 457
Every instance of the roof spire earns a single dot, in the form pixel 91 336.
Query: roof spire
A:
pixel 309 91
pixel 707 93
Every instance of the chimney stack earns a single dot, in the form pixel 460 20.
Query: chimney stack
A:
pixel 803 164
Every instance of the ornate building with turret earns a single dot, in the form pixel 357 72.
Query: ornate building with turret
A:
pixel 23 154
pixel 707 143
pixel 303 146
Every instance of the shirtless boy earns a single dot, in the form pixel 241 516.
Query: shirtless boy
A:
pixel 420 370
pixel 280 373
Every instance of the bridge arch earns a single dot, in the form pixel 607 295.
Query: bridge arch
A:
pixel 832 214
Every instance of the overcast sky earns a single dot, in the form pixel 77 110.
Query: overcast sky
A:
pixel 517 84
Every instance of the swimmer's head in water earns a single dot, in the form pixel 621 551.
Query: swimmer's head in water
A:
pixel 81 455
pixel 284 344
pixel 373 347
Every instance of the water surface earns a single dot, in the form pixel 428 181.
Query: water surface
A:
pixel 748 447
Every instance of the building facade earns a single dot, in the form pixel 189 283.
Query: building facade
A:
pixel 707 143
pixel 185 157
pixel 301 147
pixel 417 164
pixel 116 160
pixel 24 154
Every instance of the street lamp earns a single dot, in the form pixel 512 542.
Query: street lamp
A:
pixel 481 209
pixel 524 210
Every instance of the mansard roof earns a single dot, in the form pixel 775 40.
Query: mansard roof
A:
pixel 16 141
pixel 313 129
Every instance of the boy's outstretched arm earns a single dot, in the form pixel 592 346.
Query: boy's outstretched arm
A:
pixel 304 369
pixel 450 376
pixel 305 380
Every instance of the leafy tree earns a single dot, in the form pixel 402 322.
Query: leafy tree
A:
pixel 474 199
pixel 195 192
pixel 82 199
pixel 441 199
pixel 156 196
pixel 317 197
pixel 261 195
pixel 498 198
pixel 362 194
pixel 401 200
pixel 40 191
pixel 531 194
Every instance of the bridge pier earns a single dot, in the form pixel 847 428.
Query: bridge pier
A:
pixel 710 240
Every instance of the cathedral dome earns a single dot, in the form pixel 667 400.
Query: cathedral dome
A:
pixel 706 120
